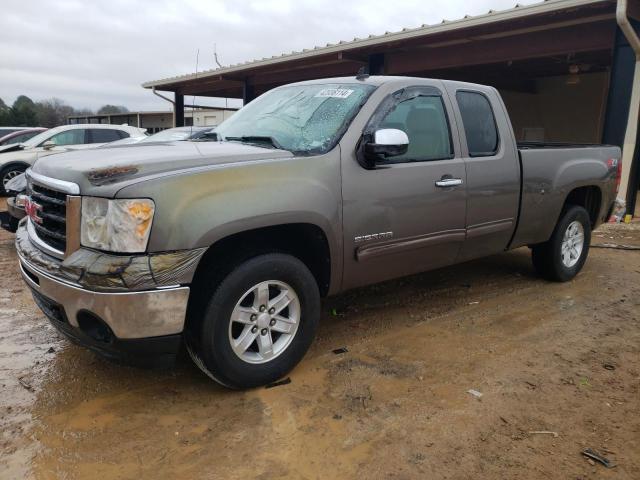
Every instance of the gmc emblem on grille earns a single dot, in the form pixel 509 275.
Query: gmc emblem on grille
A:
pixel 32 209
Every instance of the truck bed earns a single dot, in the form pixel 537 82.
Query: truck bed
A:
pixel 549 173
pixel 548 145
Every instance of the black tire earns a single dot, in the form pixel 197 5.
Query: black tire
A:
pixel 547 257
pixel 8 171
pixel 8 222
pixel 208 340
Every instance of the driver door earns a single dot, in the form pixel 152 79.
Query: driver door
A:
pixel 406 215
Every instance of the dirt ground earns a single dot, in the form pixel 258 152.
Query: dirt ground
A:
pixel 561 358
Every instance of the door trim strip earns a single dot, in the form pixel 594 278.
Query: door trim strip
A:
pixel 411 243
pixel 489 227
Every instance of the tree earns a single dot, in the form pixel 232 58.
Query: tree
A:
pixel 24 112
pixel 46 113
pixel 83 112
pixel 5 112
pixel 53 112
pixel 112 109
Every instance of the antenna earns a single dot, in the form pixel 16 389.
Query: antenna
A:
pixel 193 102
pixel 215 55
pixel 363 73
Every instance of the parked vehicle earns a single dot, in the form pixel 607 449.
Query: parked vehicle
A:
pixel 15 159
pixel 314 188
pixel 170 135
pixel 20 136
pixel 7 130
pixel 17 185
pixel 183 133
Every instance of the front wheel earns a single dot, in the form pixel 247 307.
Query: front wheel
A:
pixel 259 322
pixel 9 173
pixel 562 257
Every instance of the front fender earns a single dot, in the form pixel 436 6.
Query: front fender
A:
pixel 198 209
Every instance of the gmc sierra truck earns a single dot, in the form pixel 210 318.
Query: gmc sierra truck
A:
pixel 312 189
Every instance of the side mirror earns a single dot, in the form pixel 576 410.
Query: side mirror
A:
pixel 48 145
pixel 387 142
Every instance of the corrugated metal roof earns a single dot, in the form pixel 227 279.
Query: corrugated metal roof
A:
pixel 546 6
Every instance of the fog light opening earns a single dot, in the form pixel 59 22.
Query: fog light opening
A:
pixel 94 327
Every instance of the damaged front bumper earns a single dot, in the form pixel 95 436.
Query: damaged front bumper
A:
pixel 130 307
pixel 15 210
pixel 9 219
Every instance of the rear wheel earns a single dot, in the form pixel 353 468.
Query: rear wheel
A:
pixel 259 322
pixel 562 257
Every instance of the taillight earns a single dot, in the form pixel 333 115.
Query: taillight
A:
pixel 617 164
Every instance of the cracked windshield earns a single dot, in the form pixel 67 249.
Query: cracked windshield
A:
pixel 304 119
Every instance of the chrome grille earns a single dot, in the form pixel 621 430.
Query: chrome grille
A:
pixel 52 229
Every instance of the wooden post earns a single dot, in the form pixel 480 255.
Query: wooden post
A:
pixel 248 92
pixel 178 110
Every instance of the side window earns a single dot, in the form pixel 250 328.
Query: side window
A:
pixel 122 134
pixel 479 124
pixel 103 135
pixel 424 120
pixel 70 137
pixel 20 138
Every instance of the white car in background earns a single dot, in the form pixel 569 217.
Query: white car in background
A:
pixel 7 130
pixel 16 158
pixel 175 134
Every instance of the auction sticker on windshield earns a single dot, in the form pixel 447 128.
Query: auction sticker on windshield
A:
pixel 334 93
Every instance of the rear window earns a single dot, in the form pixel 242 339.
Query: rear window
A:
pixel 104 135
pixel 479 123
pixel 22 137
pixel 7 131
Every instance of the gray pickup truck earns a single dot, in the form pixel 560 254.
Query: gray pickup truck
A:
pixel 311 189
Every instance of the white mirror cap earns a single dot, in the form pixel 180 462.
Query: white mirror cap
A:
pixel 390 136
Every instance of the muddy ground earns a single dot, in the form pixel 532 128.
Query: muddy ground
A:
pixel 561 358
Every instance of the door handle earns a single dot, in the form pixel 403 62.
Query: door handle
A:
pixel 449 182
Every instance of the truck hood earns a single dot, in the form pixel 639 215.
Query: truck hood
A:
pixel 104 171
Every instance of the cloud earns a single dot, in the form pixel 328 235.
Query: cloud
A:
pixel 93 53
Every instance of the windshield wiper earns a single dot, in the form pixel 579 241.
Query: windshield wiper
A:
pixel 257 139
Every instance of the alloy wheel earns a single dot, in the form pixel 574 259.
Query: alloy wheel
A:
pixel 264 322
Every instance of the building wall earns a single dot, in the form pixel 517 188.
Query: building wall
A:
pixel 128 118
pixel 560 112
pixel 209 118
pixel 157 121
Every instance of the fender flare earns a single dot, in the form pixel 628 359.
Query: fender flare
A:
pixel 14 164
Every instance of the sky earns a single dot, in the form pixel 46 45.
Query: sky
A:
pixel 92 53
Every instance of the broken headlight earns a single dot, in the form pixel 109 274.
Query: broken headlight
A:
pixel 120 226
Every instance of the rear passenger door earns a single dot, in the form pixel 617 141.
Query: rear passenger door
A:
pixel 408 214
pixel 99 136
pixel 492 166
